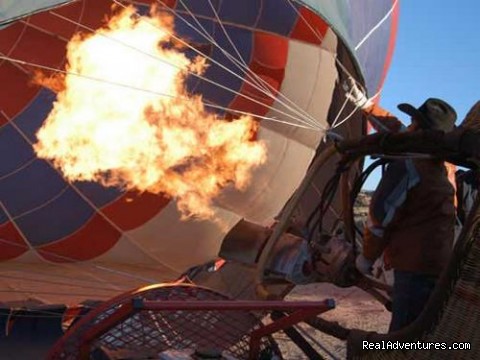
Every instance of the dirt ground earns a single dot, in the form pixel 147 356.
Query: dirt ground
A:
pixel 354 309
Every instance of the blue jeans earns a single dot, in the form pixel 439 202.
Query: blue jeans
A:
pixel 411 292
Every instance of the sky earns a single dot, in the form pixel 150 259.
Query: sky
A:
pixel 437 54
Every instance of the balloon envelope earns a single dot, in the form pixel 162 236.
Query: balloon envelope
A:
pixel 64 242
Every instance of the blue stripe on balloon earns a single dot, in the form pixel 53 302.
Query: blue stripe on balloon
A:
pixel 30 120
pixel 372 65
pixel 213 93
pixel 98 194
pixel 143 10
pixel 15 151
pixel 58 219
pixel 277 16
pixel 3 217
pixel 240 12
pixel 196 38
pixel 371 59
pixel 38 182
pixel 198 7
pixel 243 40
pixel 187 29
pixel 31 187
pixel 216 74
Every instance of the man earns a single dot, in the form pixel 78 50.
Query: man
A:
pixel 412 214
pixel 465 183
pixel 468 182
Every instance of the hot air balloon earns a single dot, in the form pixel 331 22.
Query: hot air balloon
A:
pixel 280 61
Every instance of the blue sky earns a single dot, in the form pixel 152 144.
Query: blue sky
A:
pixel 437 54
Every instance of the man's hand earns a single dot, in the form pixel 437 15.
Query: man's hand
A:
pixel 364 265
pixel 356 95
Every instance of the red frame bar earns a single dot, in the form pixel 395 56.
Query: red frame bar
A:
pixel 245 305
pixel 302 310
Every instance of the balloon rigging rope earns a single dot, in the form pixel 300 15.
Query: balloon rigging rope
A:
pixel 342 67
pixel 320 38
pixel 330 132
pixel 239 55
pixel 240 63
pixel 353 111
pixel 334 123
pixel 304 116
pixel 226 88
pixel 20 62
pixel 130 87
pixel 260 84
pixel 313 125
pixel 15 61
pixel 264 90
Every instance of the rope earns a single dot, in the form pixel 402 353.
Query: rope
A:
pixel 306 118
pixel 320 38
pixel 195 74
pixel 267 88
pixel 91 78
pixel 339 63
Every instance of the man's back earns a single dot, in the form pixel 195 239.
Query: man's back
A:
pixel 421 234
pixel 412 217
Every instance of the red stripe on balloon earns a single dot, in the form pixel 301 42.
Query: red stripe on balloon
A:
pixel 132 210
pixel 309 27
pixel 160 3
pixel 33 46
pixel 95 238
pixel 99 235
pixel 56 26
pixel 10 36
pixel 41 41
pixel 259 107
pixel 15 93
pixel 89 13
pixel 39 47
pixel 169 3
pixel 96 13
pixel 12 244
pixel 270 50
pixel 269 59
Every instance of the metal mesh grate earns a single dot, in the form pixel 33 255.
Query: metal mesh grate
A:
pixel 157 331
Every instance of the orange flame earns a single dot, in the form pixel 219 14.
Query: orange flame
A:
pixel 142 140
pixel 54 82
